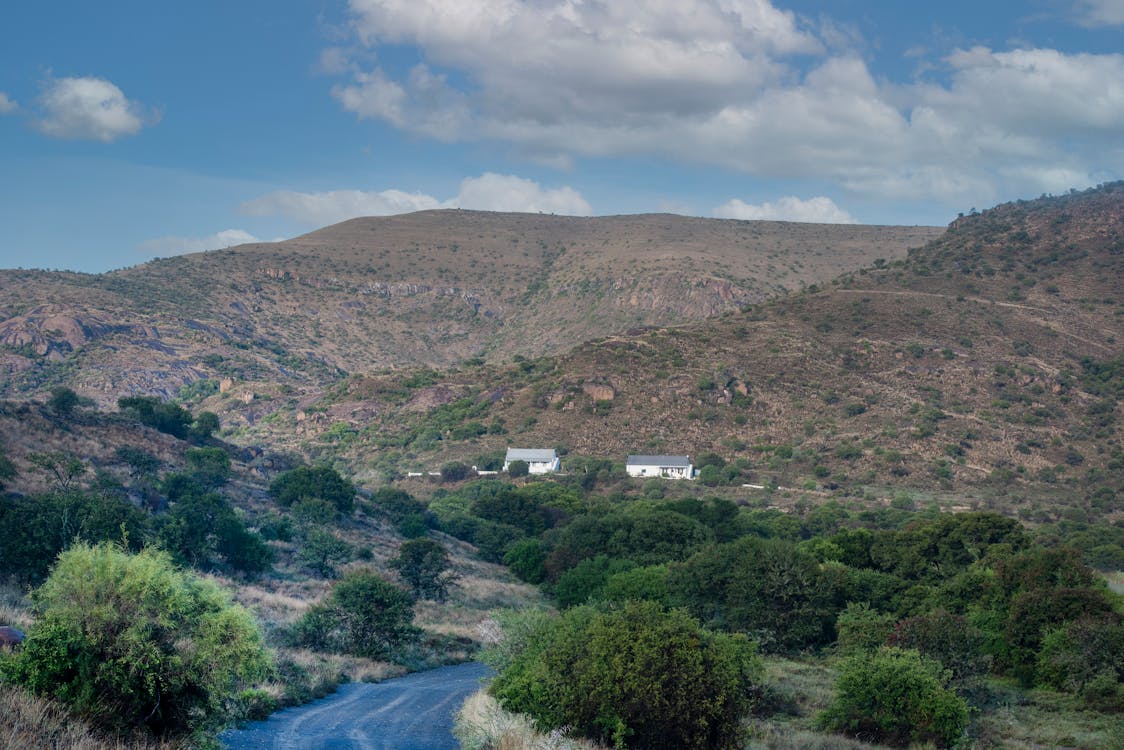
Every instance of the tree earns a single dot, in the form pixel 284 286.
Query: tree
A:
pixel 321 550
pixel 211 466
pixel 897 697
pixel 363 615
pixel 315 482
pixel 37 527
pixel 518 468
pixel 7 468
pixel 130 641
pixel 455 471
pixel 638 676
pixel 423 565
pixel 63 469
pixel 206 424
pixel 63 400
pixel 168 418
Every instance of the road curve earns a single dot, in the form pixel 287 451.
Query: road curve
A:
pixel 414 712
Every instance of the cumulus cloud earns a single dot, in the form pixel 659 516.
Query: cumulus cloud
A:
pixel 333 206
pixel 7 106
pixel 818 210
pixel 742 85
pixel 164 246
pixel 488 192
pixel 497 192
pixel 89 108
pixel 1100 12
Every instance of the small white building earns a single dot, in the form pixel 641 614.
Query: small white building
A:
pixel 539 460
pixel 671 467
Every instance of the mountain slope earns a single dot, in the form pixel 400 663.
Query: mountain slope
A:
pixel 989 359
pixel 431 288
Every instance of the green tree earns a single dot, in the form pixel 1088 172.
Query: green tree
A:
pixel 63 400
pixel 165 417
pixel 210 466
pixel 638 676
pixel 425 568
pixel 130 640
pixel 7 469
pixel 36 528
pixel 62 469
pixel 897 697
pixel 322 550
pixel 518 468
pixel 205 425
pixel 313 483
pixel 363 615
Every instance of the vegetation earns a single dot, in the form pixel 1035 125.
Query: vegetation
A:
pixel 639 676
pixel 364 615
pixel 314 483
pixel 897 697
pixel 128 640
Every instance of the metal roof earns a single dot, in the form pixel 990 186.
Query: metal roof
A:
pixel 531 454
pixel 683 461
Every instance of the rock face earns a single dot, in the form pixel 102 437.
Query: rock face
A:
pixel 46 330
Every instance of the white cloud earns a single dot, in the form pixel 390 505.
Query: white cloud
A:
pixel 742 85
pixel 164 246
pixel 818 210
pixel 1100 12
pixel 488 192
pixel 320 209
pixel 497 192
pixel 7 106
pixel 88 109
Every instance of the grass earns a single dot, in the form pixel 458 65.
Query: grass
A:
pixel 31 723
pixel 482 724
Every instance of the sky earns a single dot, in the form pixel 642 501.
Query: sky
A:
pixel 131 129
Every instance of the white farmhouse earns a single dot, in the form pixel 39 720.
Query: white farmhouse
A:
pixel 539 460
pixel 672 467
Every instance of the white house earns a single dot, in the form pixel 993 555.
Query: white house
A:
pixel 672 467
pixel 539 460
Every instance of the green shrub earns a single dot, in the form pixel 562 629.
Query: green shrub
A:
pixel 424 566
pixel 862 629
pixel 316 482
pixel 897 697
pixel 946 637
pixel 637 677
pixel 363 615
pixel 130 640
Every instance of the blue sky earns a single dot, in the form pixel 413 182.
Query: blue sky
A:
pixel 131 130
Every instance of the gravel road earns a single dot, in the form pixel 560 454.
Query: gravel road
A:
pixel 414 712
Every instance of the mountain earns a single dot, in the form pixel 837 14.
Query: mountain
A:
pixel 432 288
pixel 988 361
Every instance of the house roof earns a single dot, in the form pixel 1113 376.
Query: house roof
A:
pixel 683 461
pixel 531 454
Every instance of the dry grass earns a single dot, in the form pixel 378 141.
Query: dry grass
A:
pixel 31 723
pixel 482 724
pixel 14 607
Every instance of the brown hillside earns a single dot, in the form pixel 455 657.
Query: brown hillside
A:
pixel 431 288
pixel 987 362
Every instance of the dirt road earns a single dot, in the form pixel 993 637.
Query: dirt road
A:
pixel 414 712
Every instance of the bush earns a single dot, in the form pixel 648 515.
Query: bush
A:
pixel 37 527
pixel 862 629
pixel 363 615
pixel 313 483
pixel 424 566
pixel 637 677
pixel 946 637
pixel 897 697
pixel 518 468
pixel 130 640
